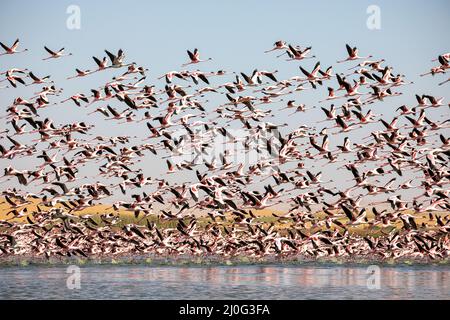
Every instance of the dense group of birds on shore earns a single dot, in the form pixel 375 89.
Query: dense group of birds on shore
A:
pixel 283 203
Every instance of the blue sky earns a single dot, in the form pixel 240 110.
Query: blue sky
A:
pixel 156 34
pixel 235 33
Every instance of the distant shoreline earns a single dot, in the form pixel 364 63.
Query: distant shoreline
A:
pixel 215 260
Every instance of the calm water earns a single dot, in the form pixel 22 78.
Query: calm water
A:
pixel 225 282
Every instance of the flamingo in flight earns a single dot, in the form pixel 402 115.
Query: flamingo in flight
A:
pixel 12 49
pixel 353 54
pixel 56 54
pixel 194 57
pixel 278 45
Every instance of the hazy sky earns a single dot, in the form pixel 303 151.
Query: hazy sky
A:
pixel 234 33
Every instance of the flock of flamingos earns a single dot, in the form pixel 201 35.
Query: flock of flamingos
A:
pixel 312 192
